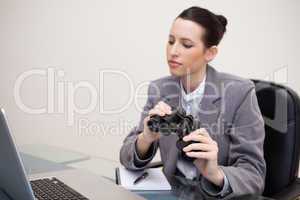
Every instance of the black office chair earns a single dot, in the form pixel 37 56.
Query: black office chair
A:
pixel 280 107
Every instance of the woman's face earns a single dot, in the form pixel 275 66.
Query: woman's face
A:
pixel 186 52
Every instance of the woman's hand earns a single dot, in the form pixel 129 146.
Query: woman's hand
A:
pixel 206 157
pixel 147 137
pixel 161 109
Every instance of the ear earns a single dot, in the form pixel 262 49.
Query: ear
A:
pixel 211 53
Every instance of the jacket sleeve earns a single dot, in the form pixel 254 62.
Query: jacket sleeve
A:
pixel 128 153
pixel 246 168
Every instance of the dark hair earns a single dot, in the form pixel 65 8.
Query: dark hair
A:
pixel 214 25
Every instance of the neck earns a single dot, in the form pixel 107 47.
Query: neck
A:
pixel 191 81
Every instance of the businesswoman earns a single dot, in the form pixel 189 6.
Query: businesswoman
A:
pixel 228 148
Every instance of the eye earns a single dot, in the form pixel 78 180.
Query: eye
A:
pixel 171 42
pixel 187 46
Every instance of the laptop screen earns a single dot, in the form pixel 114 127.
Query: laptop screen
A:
pixel 13 180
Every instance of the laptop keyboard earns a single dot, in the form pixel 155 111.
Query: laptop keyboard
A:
pixel 54 189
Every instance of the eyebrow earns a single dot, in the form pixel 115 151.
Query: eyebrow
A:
pixel 182 38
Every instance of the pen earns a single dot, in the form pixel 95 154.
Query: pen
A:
pixel 141 177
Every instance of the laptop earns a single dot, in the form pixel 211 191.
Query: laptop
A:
pixel 72 184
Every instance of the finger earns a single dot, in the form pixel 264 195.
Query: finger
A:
pixel 197 138
pixel 203 155
pixel 196 133
pixel 160 108
pixel 204 132
pixel 156 112
pixel 146 118
pixel 201 131
pixel 165 106
pixel 199 146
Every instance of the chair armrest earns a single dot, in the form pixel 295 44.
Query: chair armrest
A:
pixel 289 193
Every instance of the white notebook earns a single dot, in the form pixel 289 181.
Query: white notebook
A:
pixel 155 181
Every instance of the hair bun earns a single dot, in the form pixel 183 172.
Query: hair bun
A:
pixel 223 20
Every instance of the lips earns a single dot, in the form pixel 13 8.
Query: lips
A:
pixel 173 63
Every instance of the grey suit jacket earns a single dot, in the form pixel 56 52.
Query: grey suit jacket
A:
pixel 230 113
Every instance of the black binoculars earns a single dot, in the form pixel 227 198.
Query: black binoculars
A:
pixel 175 123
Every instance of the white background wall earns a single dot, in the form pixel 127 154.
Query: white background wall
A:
pixel 82 38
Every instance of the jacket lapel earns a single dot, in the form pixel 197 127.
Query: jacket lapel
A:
pixel 210 105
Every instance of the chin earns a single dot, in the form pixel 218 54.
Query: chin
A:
pixel 172 73
pixel 175 73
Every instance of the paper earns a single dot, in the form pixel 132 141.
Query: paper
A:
pixel 155 181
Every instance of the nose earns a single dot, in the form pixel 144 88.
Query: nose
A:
pixel 174 51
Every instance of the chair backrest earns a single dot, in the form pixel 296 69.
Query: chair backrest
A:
pixel 280 107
